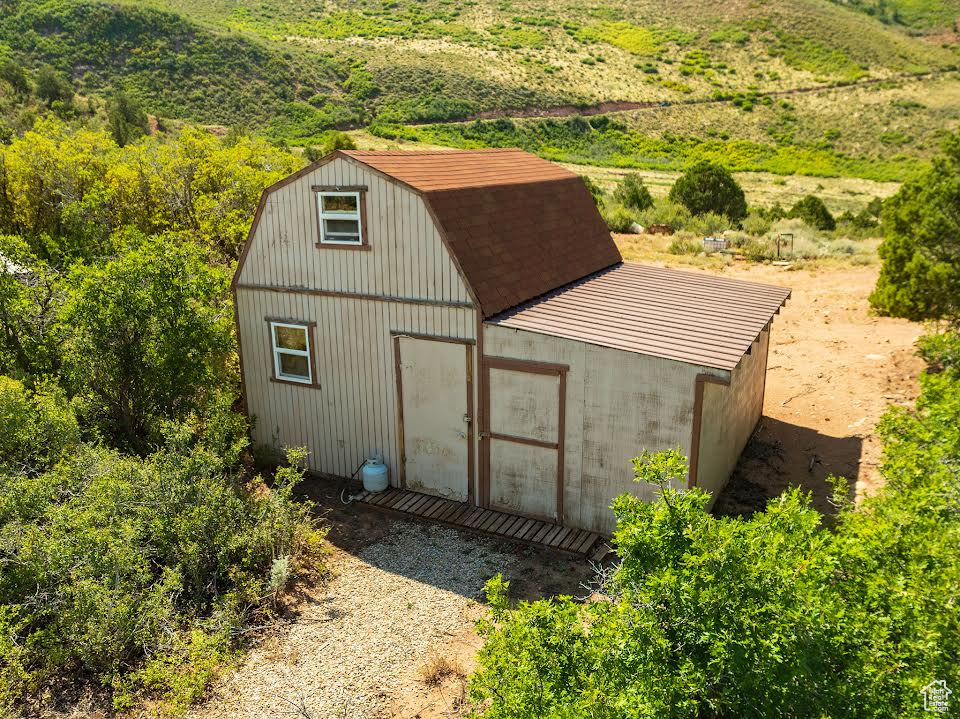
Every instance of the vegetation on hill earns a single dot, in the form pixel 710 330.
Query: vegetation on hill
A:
pixel 295 70
pixel 605 140
pixel 787 613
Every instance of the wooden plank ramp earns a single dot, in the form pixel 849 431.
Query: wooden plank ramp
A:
pixel 490 522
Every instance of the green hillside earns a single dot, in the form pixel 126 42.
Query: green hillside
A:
pixel 294 69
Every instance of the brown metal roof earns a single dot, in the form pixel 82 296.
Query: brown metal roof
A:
pixel 691 317
pixel 517 226
pixel 429 171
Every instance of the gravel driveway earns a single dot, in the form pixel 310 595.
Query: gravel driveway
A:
pixel 360 642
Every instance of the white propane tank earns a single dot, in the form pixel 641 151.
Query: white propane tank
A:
pixel 374 474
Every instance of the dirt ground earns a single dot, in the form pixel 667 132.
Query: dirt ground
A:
pixel 433 684
pixel 833 369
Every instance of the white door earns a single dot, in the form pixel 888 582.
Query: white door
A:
pixel 435 423
pixel 523 443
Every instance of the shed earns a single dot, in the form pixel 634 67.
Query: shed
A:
pixel 467 315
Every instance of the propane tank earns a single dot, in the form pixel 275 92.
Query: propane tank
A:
pixel 374 474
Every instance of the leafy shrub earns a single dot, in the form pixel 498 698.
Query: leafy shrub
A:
pixel 36 427
pixel 338 141
pixel 126 119
pixel 709 187
pixel 709 223
pixel 52 87
pixel 139 572
pixel 618 219
pixel 771 616
pixel 664 212
pixel 685 246
pixel 920 275
pixel 596 192
pixel 814 212
pixel 632 193
pixel 755 224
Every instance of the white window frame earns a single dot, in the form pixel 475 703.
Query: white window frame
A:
pixel 324 215
pixel 277 351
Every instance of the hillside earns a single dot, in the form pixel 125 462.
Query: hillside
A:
pixel 726 72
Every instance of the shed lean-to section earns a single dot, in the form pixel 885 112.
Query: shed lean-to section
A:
pixel 467 315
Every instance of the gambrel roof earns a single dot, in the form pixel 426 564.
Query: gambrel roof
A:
pixel 516 225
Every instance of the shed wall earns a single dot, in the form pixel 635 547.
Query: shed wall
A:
pixel 617 404
pixel 354 411
pixel 730 414
pixel 406 258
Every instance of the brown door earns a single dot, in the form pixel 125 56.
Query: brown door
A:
pixel 522 442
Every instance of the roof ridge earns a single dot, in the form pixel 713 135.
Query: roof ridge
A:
pixel 448 151
pixel 504 183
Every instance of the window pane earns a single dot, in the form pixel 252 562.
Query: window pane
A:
pixel 292 338
pixel 294 366
pixel 341 231
pixel 341 227
pixel 339 203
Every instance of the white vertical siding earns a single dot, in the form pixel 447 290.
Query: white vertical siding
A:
pixel 730 415
pixel 354 411
pixel 618 404
pixel 407 257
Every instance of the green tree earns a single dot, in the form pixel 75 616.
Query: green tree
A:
pixel 13 74
pixel 149 338
pixel 920 275
pixel 338 141
pixel 632 193
pixel 709 187
pixel 812 210
pixel 126 119
pixel 52 87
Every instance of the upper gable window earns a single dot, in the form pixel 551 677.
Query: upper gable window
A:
pixel 341 219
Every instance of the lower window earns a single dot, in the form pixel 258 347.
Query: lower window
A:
pixel 291 352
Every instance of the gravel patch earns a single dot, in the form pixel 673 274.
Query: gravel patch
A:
pixel 359 643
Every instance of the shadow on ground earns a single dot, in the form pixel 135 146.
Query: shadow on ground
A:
pixel 534 572
pixel 780 455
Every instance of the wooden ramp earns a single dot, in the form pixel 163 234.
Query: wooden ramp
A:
pixel 405 503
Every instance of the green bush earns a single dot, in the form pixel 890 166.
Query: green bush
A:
pixel 920 275
pixel 756 224
pixel 778 615
pixel 140 572
pixel 664 212
pixel 618 219
pixel 126 119
pixel 632 193
pixel 685 246
pixel 596 192
pixel 36 427
pixel 709 187
pixel 149 339
pixel 709 224
pixel 812 210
